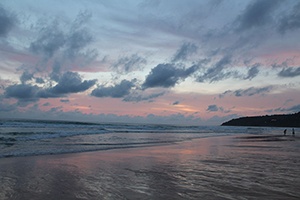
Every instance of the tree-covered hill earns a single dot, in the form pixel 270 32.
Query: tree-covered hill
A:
pixel 288 120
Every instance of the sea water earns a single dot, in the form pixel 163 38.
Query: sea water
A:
pixel 226 163
pixel 39 137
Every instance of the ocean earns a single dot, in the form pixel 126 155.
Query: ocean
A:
pixel 40 137
pixel 74 160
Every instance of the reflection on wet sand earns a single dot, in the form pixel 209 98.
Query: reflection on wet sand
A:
pixel 210 168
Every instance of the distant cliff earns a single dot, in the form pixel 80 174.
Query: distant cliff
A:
pixel 289 120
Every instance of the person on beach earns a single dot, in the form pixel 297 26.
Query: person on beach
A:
pixel 293 132
pixel 284 132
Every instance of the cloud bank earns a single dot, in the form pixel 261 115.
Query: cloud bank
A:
pixel 69 82
pixel 117 91
pixel 167 75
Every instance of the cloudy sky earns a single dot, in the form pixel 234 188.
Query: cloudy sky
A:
pixel 158 61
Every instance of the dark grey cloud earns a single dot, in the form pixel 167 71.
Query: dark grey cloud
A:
pixel 56 109
pixel 7 21
pixel 46 104
pixel 167 75
pixel 49 40
pixel 295 108
pixel 67 40
pixel 23 92
pixel 55 74
pixel 212 108
pixel 215 108
pixel 227 92
pixel 137 97
pixel 252 72
pixel 128 64
pixel 252 91
pixel 26 76
pixel 280 65
pixel 220 71
pixel 65 100
pixel 258 23
pixel 82 18
pixel 258 13
pixel 248 92
pixel 71 82
pixel 291 21
pixel 116 91
pixel 292 109
pixel 185 51
pixel 216 73
pixel 39 80
pixel 289 72
pixel 175 103
pixel 46 93
pixel 77 41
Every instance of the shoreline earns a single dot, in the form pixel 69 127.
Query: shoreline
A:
pixel 245 137
pixel 224 167
pixel 96 150
pixel 115 147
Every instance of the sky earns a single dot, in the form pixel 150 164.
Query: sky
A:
pixel 192 62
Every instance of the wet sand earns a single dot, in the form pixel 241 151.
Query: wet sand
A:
pixel 231 167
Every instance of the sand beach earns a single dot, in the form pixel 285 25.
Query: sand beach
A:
pixel 227 167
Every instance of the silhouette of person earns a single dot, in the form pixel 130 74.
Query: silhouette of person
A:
pixel 284 132
pixel 293 132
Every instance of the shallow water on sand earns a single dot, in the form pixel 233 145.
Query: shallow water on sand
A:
pixel 208 168
pixel 37 137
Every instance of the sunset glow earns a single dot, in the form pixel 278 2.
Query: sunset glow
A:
pixel 180 62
